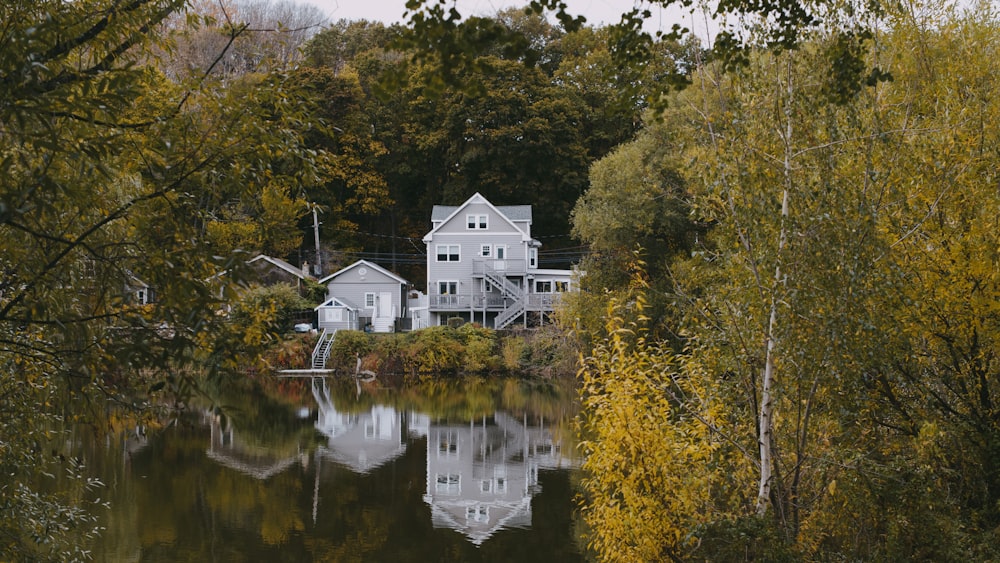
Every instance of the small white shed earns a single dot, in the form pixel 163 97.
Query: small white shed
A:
pixel 337 314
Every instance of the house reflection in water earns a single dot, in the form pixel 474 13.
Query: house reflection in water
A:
pixel 226 448
pixel 481 476
pixel 359 441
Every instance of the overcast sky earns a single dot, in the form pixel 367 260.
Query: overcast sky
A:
pixel 596 11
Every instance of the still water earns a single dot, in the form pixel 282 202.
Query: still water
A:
pixel 333 470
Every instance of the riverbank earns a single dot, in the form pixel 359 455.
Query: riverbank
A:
pixel 467 350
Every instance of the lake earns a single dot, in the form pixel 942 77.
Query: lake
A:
pixel 324 469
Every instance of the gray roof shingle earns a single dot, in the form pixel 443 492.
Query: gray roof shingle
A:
pixel 512 212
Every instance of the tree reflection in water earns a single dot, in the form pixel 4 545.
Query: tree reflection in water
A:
pixel 457 470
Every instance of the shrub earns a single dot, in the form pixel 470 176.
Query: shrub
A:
pixel 437 349
pixel 347 346
pixel 263 311
pixel 480 348
pixel 289 353
pixel 512 352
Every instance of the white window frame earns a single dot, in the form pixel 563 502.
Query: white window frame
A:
pixel 370 300
pixel 475 222
pixel 477 513
pixel 446 251
pixel 485 250
pixel 448 483
pixel 500 249
pixel 539 284
pixel 453 284
pixel 532 257
pixel 447 444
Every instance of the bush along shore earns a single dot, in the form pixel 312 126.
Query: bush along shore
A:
pixel 441 350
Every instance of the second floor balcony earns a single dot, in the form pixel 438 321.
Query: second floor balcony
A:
pixel 509 267
pixel 478 302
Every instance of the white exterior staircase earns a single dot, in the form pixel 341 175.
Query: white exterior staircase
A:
pixel 508 289
pixel 322 350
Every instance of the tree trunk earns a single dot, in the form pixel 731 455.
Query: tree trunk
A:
pixel 767 383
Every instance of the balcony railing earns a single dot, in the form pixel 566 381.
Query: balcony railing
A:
pixel 450 302
pixel 464 301
pixel 510 267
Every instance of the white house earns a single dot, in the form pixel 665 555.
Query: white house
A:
pixel 360 441
pixel 481 476
pixel 482 266
pixel 363 294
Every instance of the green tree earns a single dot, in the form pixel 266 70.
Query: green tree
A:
pixel 837 305
pixel 637 201
pixel 107 170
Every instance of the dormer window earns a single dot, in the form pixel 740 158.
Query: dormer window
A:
pixel 477 222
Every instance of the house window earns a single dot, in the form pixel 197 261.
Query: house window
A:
pixel 562 286
pixel 478 513
pixel 532 257
pixel 369 300
pixel 543 287
pixel 448 483
pixel 448 444
pixel 475 222
pixel 447 288
pixel 486 251
pixel 448 253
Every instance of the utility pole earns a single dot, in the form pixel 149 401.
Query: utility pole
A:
pixel 319 258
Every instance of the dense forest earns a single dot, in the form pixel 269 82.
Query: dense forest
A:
pixel 791 237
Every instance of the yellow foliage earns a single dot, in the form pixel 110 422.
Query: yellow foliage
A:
pixel 656 466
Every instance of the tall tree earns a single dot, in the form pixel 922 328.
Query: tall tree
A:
pixel 105 169
pixel 232 38
pixel 851 250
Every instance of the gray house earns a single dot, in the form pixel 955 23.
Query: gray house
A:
pixel 482 266
pixel 481 476
pixel 363 296
pixel 360 441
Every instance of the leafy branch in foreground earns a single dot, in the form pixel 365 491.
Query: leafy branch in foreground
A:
pixel 109 173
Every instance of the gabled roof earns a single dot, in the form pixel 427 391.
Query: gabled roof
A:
pixel 279 263
pixel 337 302
pixel 512 212
pixel 366 264
pixel 442 214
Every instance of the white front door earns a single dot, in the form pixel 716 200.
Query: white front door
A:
pixel 385 304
